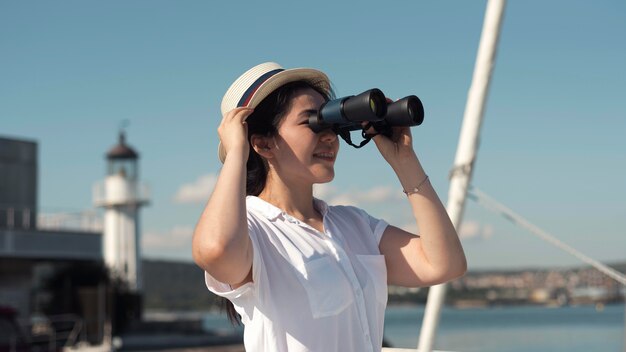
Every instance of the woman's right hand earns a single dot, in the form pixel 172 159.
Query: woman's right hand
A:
pixel 233 131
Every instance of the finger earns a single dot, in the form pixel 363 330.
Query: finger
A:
pixel 244 114
pixel 234 113
pixel 370 130
pixel 235 116
pixel 405 133
pixel 381 140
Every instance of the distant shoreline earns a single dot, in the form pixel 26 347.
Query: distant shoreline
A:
pixel 185 289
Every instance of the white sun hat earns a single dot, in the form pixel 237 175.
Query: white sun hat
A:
pixel 258 82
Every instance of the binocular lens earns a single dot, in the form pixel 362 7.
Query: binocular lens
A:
pixel 378 104
pixel 373 106
pixel 407 111
pixel 416 110
pixel 411 112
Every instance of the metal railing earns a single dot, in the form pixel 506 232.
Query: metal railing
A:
pixel 16 217
pixel 88 220
pixel 137 193
pixel 54 332
pixel 21 218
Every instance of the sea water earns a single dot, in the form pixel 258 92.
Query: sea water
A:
pixel 513 329
pixel 501 329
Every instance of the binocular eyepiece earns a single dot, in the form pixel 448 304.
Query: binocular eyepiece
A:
pixel 348 113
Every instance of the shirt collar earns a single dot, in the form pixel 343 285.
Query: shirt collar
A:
pixel 272 212
pixel 321 206
pixel 266 209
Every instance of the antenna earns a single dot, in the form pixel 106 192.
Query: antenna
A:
pixel 124 124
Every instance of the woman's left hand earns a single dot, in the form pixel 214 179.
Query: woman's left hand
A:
pixel 397 149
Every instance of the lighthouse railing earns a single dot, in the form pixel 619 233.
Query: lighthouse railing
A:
pixel 138 193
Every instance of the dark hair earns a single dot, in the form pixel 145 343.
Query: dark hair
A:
pixel 265 120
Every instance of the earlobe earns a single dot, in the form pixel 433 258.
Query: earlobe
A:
pixel 262 146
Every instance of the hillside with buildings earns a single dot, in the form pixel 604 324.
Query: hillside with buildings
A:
pixel 180 286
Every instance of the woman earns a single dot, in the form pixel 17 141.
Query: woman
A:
pixel 305 276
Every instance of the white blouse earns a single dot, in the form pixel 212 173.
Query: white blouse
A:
pixel 311 291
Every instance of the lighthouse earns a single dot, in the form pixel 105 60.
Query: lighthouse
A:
pixel 122 196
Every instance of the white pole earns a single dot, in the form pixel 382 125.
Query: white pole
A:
pixel 466 152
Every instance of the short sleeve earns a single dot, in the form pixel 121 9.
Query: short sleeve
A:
pixel 225 290
pixel 377 225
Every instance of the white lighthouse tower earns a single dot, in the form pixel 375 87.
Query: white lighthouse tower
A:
pixel 122 196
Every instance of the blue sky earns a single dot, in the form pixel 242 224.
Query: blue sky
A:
pixel 552 145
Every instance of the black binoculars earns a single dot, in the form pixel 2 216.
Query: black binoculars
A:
pixel 348 113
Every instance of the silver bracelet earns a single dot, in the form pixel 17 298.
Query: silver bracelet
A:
pixel 416 189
